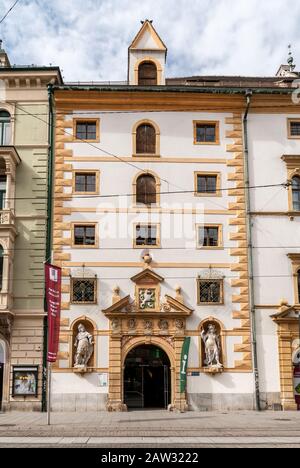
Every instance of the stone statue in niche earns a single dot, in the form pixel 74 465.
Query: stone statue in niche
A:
pixel 212 344
pixel 84 347
pixel 147 298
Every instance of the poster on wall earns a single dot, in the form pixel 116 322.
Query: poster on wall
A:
pixel 103 380
pixel 25 381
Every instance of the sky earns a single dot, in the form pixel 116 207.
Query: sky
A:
pixel 89 39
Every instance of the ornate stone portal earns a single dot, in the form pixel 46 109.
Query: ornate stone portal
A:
pixel 145 320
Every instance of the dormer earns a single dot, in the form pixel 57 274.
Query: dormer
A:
pixel 147 58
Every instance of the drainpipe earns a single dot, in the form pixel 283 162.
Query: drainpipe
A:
pixel 250 254
pixel 48 239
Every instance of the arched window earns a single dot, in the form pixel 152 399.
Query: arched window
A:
pixel 1 267
pixel 5 123
pixel 145 139
pixel 296 193
pixel 147 75
pixel 298 283
pixel 146 190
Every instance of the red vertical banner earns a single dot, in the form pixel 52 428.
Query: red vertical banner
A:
pixel 53 298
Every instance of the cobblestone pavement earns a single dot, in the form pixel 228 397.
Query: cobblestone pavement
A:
pixel 151 429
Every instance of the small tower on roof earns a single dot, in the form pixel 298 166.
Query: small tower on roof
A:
pixel 288 71
pixel 4 60
pixel 147 57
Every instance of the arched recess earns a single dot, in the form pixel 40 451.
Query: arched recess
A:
pixel 4 372
pixel 148 59
pixel 157 138
pixel 160 343
pixel 298 286
pixel 157 187
pixel 90 327
pixel 221 330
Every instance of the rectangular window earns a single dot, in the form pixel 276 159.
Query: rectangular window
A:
pixel 209 236
pixel 83 290
pixel 85 235
pixel 85 182
pixel 294 128
pixel 207 184
pixel 86 129
pixel 210 291
pixel 146 235
pixel 206 133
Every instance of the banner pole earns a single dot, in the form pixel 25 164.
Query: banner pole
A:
pixel 49 394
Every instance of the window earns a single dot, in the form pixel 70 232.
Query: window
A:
pixel 2 191
pixel 296 193
pixel 206 133
pixel 146 190
pixel 145 139
pixel 209 236
pixel 86 129
pixel 1 267
pixel 210 291
pixel 146 235
pixel 84 290
pixel 86 182
pixel 5 128
pixel 207 184
pixel 85 235
pixel 147 74
pixel 294 128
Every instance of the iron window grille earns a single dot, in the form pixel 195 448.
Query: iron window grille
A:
pixel 210 291
pixel 84 290
pixel 295 129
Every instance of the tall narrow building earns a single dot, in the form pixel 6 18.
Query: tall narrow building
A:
pixel 24 150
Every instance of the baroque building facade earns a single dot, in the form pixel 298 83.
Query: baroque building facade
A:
pixel 152 220
pixel 24 149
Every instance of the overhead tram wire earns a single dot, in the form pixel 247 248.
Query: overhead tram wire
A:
pixel 7 13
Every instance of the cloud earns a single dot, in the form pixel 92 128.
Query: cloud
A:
pixel 89 39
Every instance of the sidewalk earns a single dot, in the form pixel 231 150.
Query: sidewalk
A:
pixel 151 429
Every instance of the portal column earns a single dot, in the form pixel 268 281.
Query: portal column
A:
pixel 115 402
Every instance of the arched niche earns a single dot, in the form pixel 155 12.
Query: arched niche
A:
pixel 220 331
pixel 90 327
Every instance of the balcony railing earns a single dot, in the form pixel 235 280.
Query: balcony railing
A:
pixel 7 217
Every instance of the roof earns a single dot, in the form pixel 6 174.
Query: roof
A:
pixel 148 26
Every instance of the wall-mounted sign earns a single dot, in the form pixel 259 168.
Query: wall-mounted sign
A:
pixel 297 385
pixel 103 380
pixel 25 381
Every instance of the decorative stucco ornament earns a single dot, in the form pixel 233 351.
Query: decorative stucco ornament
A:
pixel 296 357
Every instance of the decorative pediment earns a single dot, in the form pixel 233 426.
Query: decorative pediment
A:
pixel 147 38
pixel 146 277
pixel 285 312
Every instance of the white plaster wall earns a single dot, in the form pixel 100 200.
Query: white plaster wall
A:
pixel 226 383
pixel 267 347
pixel 73 383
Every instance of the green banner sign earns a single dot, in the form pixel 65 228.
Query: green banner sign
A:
pixel 184 363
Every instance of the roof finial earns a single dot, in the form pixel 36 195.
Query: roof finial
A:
pixel 290 60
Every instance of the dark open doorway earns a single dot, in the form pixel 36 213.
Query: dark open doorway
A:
pixel 147 378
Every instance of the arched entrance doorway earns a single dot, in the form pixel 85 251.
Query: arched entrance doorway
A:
pixel 147 378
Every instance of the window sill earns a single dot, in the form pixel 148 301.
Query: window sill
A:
pixel 211 248
pixel 149 247
pixel 208 195
pixel 210 304
pixel 146 155
pixel 215 143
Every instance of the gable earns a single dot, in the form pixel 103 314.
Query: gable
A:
pixel 147 39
